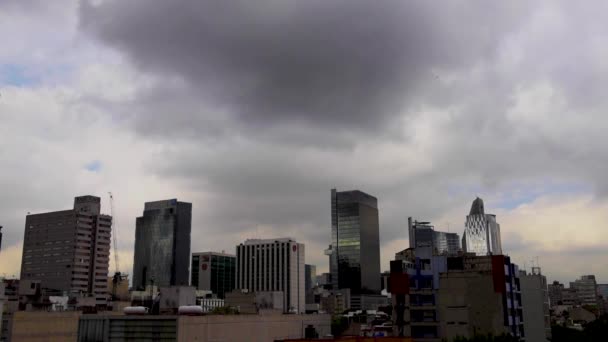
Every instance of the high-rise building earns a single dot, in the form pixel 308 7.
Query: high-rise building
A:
pixel 310 274
pixel 0 237
pixel 556 293
pixel 535 301
pixel 68 250
pixel 586 287
pixel 162 244
pixel 215 272
pixel 273 265
pixel 423 234
pixel 482 232
pixel 355 247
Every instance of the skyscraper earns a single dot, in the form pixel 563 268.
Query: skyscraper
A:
pixel 355 249
pixel 423 234
pixel 215 272
pixel 310 275
pixel 482 232
pixel 273 265
pixel 69 250
pixel 162 244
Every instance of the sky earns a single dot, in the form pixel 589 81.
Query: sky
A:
pixel 254 110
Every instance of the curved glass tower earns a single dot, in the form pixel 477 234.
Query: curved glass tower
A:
pixel 482 232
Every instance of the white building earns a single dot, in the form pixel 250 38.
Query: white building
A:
pixel 482 232
pixel 273 265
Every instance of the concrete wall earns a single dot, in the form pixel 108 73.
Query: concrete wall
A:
pixel 468 305
pixel 534 299
pixel 249 328
pixel 45 326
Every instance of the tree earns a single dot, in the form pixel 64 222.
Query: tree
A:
pixel 339 324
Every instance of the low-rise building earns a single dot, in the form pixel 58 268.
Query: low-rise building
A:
pixel 234 328
pixel 42 326
pixel 171 298
pixel 586 287
pixel 256 302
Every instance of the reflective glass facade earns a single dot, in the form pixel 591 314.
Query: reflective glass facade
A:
pixel 355 248
pixel 162 244
pixel 215 272
pixel 482 232
pixel 423 234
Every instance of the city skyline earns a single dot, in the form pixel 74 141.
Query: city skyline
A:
pixel 427 108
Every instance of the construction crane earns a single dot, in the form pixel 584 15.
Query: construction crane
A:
pixel 118 276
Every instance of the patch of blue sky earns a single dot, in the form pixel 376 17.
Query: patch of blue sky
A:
pixel 93 166
pixel 518 194
pixel 17 75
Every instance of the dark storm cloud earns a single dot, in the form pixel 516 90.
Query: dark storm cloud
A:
pixel 350 64
pixel 254 97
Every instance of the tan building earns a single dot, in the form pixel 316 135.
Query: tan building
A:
pixel 469 305
pixel 42 326
pixel 217 328
pixel 68 251
pixel 121 290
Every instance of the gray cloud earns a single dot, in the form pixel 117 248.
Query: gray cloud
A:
pixel 253 110
pixel 354 65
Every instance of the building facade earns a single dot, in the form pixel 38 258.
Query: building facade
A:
pixel 586 287
pixel 443 297
pixel 556 290
pixel 482 232
pixel 423 234
pixel 535 301
pixel 310 274
pixel 273 265
pixel 162 244
pixel 355 246
pixel 215 272
pixel 68 250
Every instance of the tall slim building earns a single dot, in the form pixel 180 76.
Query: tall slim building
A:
pixel 0 237
pixel 310 275
pixel 162 244
pixel 355 243
pixel 215 272
pixel 273 265
pixel 68 250
pixel 482 232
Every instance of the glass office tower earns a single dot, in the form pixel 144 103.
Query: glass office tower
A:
pixel 355 247
pixel 215 272
pixel 162 244
pixel 482 232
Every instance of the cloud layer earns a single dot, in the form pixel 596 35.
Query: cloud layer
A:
pixel 254 111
